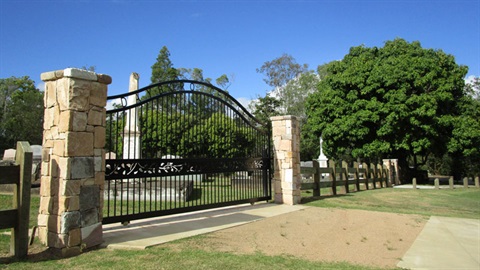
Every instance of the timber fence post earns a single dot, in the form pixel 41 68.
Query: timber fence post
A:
pixel 357 176
pixel 333 176
pixel 374 175
pixel 19 237
pixel 316 178
pixel 366 175
pixel 344 173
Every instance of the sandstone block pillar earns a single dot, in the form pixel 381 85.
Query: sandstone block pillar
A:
pixel 286 145
pixel 73 160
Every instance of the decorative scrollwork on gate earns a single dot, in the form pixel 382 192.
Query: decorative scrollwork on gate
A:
pixel 128 168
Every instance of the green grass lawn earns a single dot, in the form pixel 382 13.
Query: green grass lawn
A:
pixel 460 202
pixel 166 258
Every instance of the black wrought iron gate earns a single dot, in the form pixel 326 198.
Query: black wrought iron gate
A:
pixel 182 146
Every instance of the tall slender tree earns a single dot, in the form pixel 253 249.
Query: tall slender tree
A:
pixel 162 71
pixel 280 71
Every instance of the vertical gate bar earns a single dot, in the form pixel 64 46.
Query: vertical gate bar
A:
pixel 204 194
pixel 142 181
pixel 145 128
pixel 155 144
pixel 158 124
pixel 121 197
pixel 117 152
pixel 114 210
pixel 168 204
pixel 109 145
pixel 108 198
pixel 270 156
pixel 165 132
pixel 148 153
pixel 218 107
pixel 209 194
pixel 249 180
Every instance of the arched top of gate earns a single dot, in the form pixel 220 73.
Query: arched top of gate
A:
pixel 182 86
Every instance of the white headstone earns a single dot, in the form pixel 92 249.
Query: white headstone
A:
pixel 9 154
pixel 36 151
pixel 110 155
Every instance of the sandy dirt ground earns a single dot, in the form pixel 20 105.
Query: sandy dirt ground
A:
pixel 323 234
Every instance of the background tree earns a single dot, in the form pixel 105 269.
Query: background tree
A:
pixel 397 101
pixel 292 83
pixel 279 72
pixel 21 112
pixel 473 88
pixel 296 91
pixel 194 135
pixel 224 81
pixel 265 107
pixel 162 71
pixel 464 146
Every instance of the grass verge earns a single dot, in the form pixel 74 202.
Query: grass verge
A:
pixel 461 203
pixel 166 258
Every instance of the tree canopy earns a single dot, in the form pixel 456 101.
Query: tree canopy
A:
pixel 21 112
pixel 398 101
pixel 279 72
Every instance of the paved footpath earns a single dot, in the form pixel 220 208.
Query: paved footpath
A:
pixel 145 233
pixel 445 243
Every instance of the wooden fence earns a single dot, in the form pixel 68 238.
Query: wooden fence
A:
pixel 361 176
pixel 20 174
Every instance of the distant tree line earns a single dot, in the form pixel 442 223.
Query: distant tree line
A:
pixel 21 112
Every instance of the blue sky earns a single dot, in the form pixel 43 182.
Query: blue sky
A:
pixel 221 37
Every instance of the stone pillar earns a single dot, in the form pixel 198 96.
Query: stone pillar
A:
pixel 73 160
pixel 286 145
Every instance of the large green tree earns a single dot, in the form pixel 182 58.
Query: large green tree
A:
pixel 397 101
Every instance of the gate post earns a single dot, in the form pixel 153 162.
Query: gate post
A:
pixel 286 145
pixel 73 160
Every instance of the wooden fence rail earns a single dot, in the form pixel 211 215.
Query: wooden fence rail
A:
pixel 18 218
pixel 371 175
